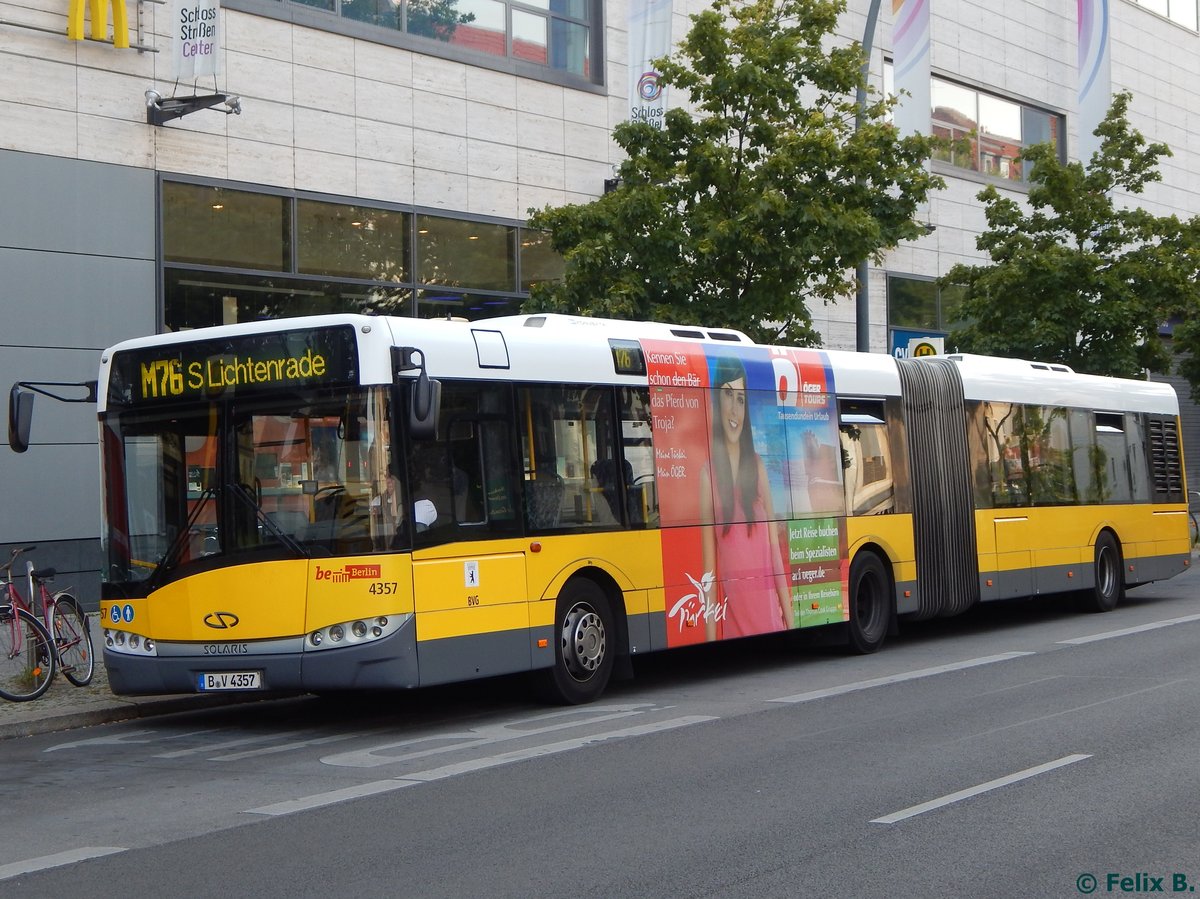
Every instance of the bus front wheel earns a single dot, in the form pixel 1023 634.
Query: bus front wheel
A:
pixel 1109 586
pixel 870 603
pixel 584 644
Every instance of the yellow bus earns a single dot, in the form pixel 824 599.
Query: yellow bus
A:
pixel 358 502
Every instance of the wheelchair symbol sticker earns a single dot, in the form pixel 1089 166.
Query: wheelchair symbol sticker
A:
pixel 115 614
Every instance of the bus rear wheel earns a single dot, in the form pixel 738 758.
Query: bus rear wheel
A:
pixel 1109 578
pixel 870 603
pixel 584 645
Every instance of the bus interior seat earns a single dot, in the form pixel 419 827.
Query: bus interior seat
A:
pixel 545 498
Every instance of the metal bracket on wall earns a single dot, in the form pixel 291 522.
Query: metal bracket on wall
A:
pixel 160 110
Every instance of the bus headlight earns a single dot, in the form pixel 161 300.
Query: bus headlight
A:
pixel 354 633
pixel 129 643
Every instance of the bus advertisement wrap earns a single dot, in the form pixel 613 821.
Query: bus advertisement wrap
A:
pixel 747 457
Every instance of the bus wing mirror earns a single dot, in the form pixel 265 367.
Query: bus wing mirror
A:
pixel 20 418
pixel 426 393
pixel 424 408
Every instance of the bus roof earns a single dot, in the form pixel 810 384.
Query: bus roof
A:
pixel 554 348
pixel 1040 383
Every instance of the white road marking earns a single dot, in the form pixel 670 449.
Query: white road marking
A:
pixel 114 740
pixel 899 678
pixel 398 751
pixel 29 865
pixel 227 744
pixel 287 747
pixel 373 788
pixel 932 804
pixel 1126 631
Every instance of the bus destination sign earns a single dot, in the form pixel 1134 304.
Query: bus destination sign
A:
pixel 252 363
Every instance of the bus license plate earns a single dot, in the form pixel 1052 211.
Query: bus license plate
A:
pixel 230 680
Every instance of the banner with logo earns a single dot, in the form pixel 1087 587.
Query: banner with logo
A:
pixel 196 38
pixel 1095 79
pixel 910 45
pixel 649 39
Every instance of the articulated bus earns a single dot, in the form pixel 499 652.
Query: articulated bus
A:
pixel 361 502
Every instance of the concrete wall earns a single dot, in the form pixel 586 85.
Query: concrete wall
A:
pixel 77 274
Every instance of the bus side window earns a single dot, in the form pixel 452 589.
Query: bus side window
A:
pixel 573 476
pixel 866 458
pixel 979 447
pixel 1110 460
pixel 1046 443
pixel 464 479
pixel 1005 478
pixel 638 452
pixel 1138 462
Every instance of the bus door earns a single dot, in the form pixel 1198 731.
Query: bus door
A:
pixel 469 582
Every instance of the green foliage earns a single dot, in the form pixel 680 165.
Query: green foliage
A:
pixel 758 198
pixel 1186 311
pixel 1076 277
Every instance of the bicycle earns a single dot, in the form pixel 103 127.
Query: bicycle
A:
pixel 62 619
pixel 27 661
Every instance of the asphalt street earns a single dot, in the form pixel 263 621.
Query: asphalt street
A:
pixel 1017 751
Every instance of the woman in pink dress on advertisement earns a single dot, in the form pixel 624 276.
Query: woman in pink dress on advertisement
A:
pixel 743 548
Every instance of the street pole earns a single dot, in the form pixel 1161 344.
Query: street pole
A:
pixel 862 305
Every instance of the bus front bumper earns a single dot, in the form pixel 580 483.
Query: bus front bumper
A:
pixel 386 664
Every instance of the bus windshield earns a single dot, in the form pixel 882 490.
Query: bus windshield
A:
pixel 302 474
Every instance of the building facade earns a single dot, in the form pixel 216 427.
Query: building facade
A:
pixel 385 159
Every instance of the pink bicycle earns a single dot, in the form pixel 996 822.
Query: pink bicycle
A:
pixel 28 659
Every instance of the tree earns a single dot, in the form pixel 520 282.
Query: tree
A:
pixel 1076 278
pixel 1185 312
pixel 765 197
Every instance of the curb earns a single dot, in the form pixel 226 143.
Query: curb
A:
pixel 121 711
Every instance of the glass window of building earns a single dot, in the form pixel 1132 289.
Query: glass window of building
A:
pixel 232 255
pixel 539 261
pixel 991 131
pixel 918 304
pixel 208 225
pixel 351 241
pixel 556 34
pixel 458 253
pixel 1181 11
pixel 988 131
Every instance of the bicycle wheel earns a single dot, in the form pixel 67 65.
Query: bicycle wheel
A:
pixel 26 656
pixel 73 639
